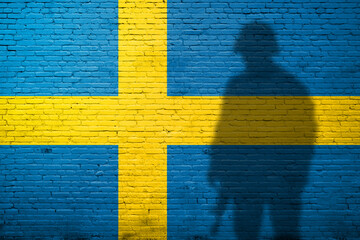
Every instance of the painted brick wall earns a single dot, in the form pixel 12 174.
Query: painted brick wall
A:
pixel 254 180
pixel 58 48
pixel 115 116
pixel 317 41
pixel 58 192
pixel 264 48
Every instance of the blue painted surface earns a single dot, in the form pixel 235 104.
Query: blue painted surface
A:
pixel 58 192
pixel 59 48
pixel 253 178
pixel 318 41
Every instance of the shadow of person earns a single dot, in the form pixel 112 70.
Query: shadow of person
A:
pixel 273 128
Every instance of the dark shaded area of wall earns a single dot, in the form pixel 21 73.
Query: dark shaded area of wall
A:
pixel 282 179
pixel 330 198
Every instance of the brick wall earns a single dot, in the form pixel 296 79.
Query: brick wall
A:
pixel 258 183
pixel 58 48
pixel 179 119
pixel 58 192
pixel 317 42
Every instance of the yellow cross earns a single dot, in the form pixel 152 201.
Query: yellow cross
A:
pixel 142 120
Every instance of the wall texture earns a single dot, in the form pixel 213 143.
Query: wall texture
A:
pixel 317 41
pixel 180 119
pixel 59 48
pixel 59 192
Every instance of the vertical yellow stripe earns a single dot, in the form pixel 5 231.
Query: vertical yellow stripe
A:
pixel 142 47
pixel 142 160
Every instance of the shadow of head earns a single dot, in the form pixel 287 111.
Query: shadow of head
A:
pixel 256 40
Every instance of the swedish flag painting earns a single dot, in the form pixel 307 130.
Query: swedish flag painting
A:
pixel 179 119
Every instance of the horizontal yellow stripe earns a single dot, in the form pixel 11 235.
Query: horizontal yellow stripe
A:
pixel 179 120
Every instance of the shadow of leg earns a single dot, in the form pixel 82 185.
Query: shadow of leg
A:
pixel 285 214
pixel 247 221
